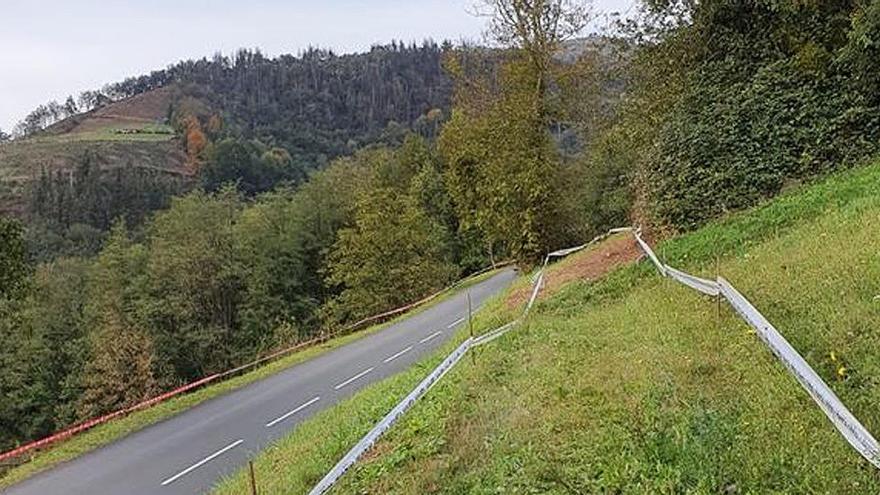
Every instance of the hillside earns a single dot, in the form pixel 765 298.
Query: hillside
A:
pixel 248 118
pixel 634 384
pixel 128 133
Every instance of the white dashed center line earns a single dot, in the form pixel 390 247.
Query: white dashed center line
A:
pixel 401 353
pixel 355 377
pixel 456 322
pixel 291 413
pixel 202 462
pixel 429 337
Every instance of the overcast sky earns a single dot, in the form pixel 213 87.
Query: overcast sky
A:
pixel 52 48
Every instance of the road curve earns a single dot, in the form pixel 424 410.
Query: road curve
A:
pixel 190 452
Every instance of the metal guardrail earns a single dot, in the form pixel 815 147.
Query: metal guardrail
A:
pixel 845 422
pixel 707 287
pixel 383 425
pixel 842 419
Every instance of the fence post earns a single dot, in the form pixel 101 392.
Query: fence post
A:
pixel 253 478
pixel 471 325
pixel 718 296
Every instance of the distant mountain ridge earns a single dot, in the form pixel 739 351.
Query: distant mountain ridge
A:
pixel 317 106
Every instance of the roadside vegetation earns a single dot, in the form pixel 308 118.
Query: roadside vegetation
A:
pixel 320 441
pixel 633 383
pixel 116 429
pixel 109 432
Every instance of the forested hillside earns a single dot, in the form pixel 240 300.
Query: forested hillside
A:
pixel 317 105
pixel 248 118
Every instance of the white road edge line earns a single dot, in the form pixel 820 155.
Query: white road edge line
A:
pixel 456 322
pixel 429 337
pixel 202 462
pixel 291 413
pixel 401 353
pixel 355 377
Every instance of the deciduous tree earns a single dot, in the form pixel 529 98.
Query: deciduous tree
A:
pixel 394 254
pixel 121 367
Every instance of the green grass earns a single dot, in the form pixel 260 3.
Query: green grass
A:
pixel 636 384
pixel 114 430
pixel 298 461
pixel 149 133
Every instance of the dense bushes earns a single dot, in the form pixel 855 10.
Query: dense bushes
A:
pixel 748 96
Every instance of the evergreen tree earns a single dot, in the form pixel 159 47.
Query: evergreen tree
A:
pixel 14 268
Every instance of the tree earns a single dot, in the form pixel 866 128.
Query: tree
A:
pixel 501 167
pixel 537 28
pixel 14 267
pixel 501 161
pixel 53 324
pixel 196 286
pixel 386 260
pixel 120 371
pixel 250 166
pixel 195 141
pixel 232 162
pixel 4 137
pixel 282 294
pixel 70 106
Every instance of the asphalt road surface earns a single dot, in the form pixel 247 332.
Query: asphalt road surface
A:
pixel 189 453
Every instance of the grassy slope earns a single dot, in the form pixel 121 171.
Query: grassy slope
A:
pixel 114 430
pixel 638 385
pixel 62 146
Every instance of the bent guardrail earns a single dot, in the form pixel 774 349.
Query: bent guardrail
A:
pixel 846 423
pixel 434 377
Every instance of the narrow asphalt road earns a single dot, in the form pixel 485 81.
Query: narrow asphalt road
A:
pixel 189 453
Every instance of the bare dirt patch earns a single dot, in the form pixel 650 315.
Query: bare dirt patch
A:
pixel 590 264
pixel 376 451
pixel 149 107
pixel 139 110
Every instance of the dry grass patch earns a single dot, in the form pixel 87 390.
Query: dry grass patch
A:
pixel 591 264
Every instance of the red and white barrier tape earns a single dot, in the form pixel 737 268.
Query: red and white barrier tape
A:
pixel 81 427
